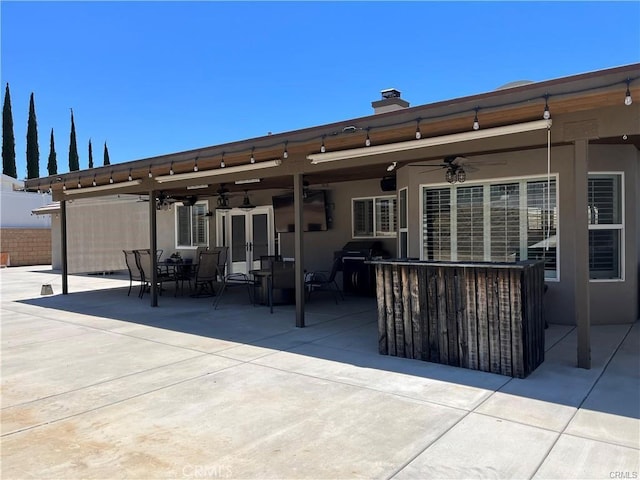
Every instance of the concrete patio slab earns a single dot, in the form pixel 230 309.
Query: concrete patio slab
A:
pixel 483 447
pixel 98 384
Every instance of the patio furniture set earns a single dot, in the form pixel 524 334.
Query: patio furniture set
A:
pixel 273 283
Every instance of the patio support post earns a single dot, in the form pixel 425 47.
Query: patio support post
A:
pixel 63 244
pixel 581 248
pixel 153 246
pixel 299 247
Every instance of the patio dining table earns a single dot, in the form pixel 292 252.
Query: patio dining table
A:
pixel 179 271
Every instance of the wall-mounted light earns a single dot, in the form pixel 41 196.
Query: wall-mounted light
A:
pixel 322 147
pixel 252 160
pixel 64 187
pixel 171 172
pixel 627 96
pixel 285 154
pixel 418 133
pixel 246 202
pixel 476 123
pixel 546 114
pixel 222 164
pixel 94 181
pixel 130 177
pixel 111 177
pixel 195 165
pixel 367 141
pixel 150 174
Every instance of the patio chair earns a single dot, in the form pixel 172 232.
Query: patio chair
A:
pixel 223 254
pixel 143 259
pixel 234 280
pixel 281 281
pixel 324 281
pixel 134 271
pixel 206 274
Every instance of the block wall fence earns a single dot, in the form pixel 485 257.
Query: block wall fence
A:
pixel 25 246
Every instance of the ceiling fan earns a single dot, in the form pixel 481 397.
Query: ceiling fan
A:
pixel 456 168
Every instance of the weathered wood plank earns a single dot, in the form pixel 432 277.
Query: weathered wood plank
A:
pixel 421 274
pixel 388 303
pixel 397 310
pixel 493 320
pixel 415 308
pixel 485 310
pixel 461 324
pixel 517 359
pixel 504 300
pixel 432 295
pixel 452 308
pixel 470 318
pixel 443 331
pixel 382 317
pixel 406 312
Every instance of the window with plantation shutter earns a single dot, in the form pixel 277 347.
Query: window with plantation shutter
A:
pixel 373 217
pixel 505 222
pixel 497 222
pixel 470 223
pixel 436 224
pixel 191 225
pixel 604 212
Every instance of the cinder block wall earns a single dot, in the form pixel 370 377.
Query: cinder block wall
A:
pixel 26 246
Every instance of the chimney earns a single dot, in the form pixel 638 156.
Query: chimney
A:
pixel 390 102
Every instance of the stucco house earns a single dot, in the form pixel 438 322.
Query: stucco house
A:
pixel 533 170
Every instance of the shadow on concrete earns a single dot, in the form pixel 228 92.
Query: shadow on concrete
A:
pixel 347 333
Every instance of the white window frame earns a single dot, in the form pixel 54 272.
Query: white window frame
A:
pixel 486 183
pixel 391 234
pixel 399 220
pixel 193 246
pixel 613 226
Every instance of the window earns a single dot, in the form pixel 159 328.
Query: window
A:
pixel 497 221
pixel 374 217
pixel 191 225
pixel 604 212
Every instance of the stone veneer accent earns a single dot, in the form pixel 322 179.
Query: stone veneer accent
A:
pixel 26 246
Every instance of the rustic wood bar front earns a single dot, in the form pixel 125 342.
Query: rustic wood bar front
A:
pixel 482 316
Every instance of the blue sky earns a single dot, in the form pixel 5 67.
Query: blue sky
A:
pixel 151 78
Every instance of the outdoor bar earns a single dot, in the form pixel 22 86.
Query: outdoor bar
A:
pixel 478 315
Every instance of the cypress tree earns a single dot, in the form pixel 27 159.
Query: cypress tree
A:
pixel 52 166
pixel 8 140
pixel 33 155
pixel 74 161
pixel 90 155
pixel 106 155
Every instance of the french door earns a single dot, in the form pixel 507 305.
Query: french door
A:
pixel 248 234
